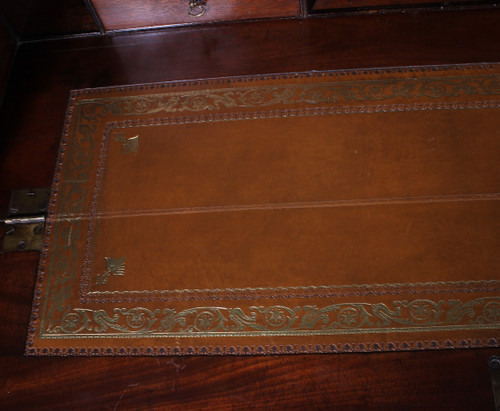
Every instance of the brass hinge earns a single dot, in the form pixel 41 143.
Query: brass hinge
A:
pixel 25 220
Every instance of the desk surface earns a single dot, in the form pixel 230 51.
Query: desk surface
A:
pixel 32 120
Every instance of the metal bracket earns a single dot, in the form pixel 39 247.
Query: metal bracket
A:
pixel 25 221
pixel 494 366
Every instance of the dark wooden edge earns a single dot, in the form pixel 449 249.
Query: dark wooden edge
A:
pixel 403 8
pixel 95 16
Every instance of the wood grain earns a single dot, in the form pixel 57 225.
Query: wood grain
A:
pixel 390 381
pixel 123 15
pixel 32 120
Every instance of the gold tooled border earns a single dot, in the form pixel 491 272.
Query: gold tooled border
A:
pixel 223 350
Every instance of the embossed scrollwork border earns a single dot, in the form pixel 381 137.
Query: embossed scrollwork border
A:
pixel 341 318
pixel 57 270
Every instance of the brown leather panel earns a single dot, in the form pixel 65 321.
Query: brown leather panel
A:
pixel 230 163
pixel 301 213
pixel 348 244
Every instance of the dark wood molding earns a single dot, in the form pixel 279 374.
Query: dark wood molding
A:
pixel 95 16
pixel 352 5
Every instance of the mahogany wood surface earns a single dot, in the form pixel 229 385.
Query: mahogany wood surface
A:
pixel 31 123
pixel 120 15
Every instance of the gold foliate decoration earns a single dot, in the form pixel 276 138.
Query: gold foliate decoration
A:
pixel 129 144
pixel 114 266
pixel 343 318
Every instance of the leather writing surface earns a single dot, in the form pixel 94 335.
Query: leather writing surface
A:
pixel 331 212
